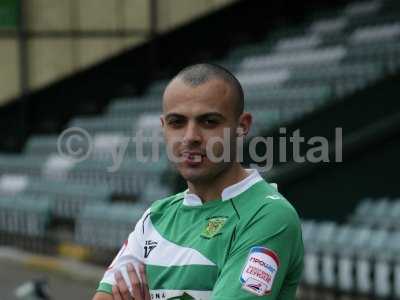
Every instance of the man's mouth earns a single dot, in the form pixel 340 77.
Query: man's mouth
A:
pixel 193 158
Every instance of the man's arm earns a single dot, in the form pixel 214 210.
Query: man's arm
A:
pixel 266 258
pixel 102 296
pixel 131 252
pixel 138 281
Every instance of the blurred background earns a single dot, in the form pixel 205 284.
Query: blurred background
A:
pixel 102 65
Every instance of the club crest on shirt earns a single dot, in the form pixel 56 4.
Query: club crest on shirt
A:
pixel 259 271
pixel 213 227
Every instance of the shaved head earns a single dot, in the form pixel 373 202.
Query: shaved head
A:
pixel 202 104
pixel 199 74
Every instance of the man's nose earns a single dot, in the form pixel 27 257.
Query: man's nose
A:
pixel 192 134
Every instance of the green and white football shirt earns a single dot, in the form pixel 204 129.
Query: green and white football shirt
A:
pixel 246 245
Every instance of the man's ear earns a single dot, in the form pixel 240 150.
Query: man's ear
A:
pixel 162 122
pixel 245 121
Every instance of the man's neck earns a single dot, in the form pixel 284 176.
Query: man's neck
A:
pixel 212 190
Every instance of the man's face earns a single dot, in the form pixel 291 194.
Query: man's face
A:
pixel 191 117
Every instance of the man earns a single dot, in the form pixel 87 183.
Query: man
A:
pixel 230 235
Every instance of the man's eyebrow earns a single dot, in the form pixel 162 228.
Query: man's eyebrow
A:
pixel 212 115
pixel 202 116
pixel 174 115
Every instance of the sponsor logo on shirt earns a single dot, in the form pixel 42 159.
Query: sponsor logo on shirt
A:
pixel 149 246
pixel 158 295
pixel 184 296
pixel 169 295
pixel 254 286
pixel 259 271
pixel 213 227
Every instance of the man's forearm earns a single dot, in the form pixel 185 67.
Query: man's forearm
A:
pixel 102 296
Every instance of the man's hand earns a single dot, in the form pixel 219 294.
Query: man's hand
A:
pixel 140 288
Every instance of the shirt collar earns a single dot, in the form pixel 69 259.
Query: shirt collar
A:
pixel 229 192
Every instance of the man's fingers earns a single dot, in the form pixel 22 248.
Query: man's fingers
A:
pixel 115 293
pixel 136 286
pixel 145 285
pixel 121 287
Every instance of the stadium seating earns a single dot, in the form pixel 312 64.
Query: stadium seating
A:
pixel 360 257
pixel 130 178
pixel 292 72
pixel 20 164
pixel 25 215
pixel 378 213
pixel 106 226
pixel 67 199
pixel 41 145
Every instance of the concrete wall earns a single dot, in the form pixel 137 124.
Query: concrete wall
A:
pixel 51 57
pixel 9 79
pixel 176 12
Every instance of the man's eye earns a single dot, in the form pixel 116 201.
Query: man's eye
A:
pixel 210 122
pixel 176 122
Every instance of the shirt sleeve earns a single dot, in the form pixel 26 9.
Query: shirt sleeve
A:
pixel 130 252
pixel 266 259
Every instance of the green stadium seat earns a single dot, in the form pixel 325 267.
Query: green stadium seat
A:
pixel 25 215
pixel 107 226
pixel 68 198
pixel 123 106
pixel 264 119
pixel 41 145
pixel 157 88
pixel 154 191
pixel 21 164
pixel 129 178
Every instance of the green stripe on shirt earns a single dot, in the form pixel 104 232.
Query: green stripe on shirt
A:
pixel 105 288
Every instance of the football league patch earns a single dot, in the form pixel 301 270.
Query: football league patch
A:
pixel 259 271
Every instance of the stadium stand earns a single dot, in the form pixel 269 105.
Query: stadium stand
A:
pixel 25 215
pixel 114 222
pixel 284 77
pixel 361 256
pixel 67 200
pixel 290 74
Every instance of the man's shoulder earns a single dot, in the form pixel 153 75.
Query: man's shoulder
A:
pixel 264 201
pixel 167 202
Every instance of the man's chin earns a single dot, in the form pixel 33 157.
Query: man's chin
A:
pixel 194 175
